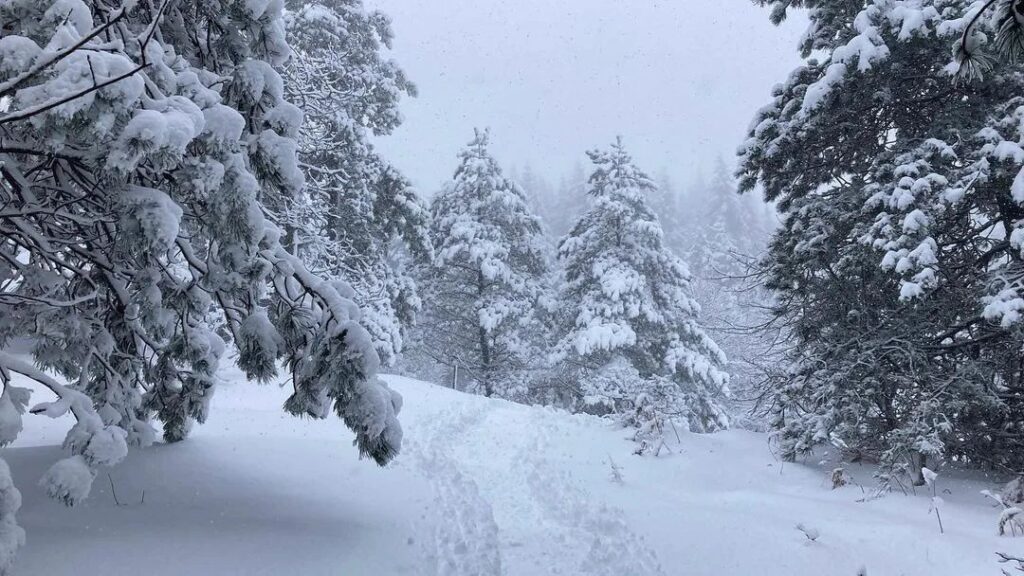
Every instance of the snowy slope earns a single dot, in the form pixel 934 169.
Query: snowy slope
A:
pixel 483 487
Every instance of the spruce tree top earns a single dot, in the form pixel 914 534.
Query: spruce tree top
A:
pixel 483 217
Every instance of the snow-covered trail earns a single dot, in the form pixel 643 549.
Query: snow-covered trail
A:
pixel 719 505
pixel 483 488
pixel 462 537
pixel 506 508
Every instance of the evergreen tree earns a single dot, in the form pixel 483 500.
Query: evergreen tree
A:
pixel 485 289
pixel 627 299
pixel 694 196
pixel 897 266
pixel 539 194
pixel 142 171
pixel 357 214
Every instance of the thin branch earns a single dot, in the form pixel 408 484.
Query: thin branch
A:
pixel 970 25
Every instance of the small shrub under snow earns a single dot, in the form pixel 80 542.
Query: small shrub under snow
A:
pixel 69 480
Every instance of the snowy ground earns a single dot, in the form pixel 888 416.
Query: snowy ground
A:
pixel 483 488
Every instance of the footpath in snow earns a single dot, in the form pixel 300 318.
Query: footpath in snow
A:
pixel 483 488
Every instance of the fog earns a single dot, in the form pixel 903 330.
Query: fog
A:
pixel 678 80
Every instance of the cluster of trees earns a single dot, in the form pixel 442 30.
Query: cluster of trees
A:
pixel 898 268
pixel 600 318
pixel 168 193
pixel 720 234
pixel 186 181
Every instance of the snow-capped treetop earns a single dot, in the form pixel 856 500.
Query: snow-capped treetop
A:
pixel 483 218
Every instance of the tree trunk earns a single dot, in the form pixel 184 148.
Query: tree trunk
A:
pixel 485 361
pixel 485 347
pixel 917 462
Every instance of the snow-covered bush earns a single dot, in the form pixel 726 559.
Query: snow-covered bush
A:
pixel 649 407
pixel 1011 500
pixel 608 389
pixel 1011 520
pixel 839 478
pixel 69 480
pixel 1012 493
pixel 651 414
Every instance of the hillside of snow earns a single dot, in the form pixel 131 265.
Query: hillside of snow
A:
pixel 483 487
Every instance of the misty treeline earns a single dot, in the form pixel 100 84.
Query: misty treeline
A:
pixel 191 181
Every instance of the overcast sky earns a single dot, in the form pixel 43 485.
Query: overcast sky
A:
pixel 679 80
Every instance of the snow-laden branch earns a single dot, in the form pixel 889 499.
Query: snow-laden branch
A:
pixel 67 399
pixel 9 86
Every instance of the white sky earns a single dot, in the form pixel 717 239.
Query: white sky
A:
pixel 679 80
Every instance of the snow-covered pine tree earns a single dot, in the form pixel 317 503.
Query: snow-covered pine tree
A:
pixel 486 289
pixel 539 194
pixel 627 298
pixel 141 171
pixel 357 215
pixel 898 267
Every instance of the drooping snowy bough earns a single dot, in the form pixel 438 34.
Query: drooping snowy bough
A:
pixel 146 152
